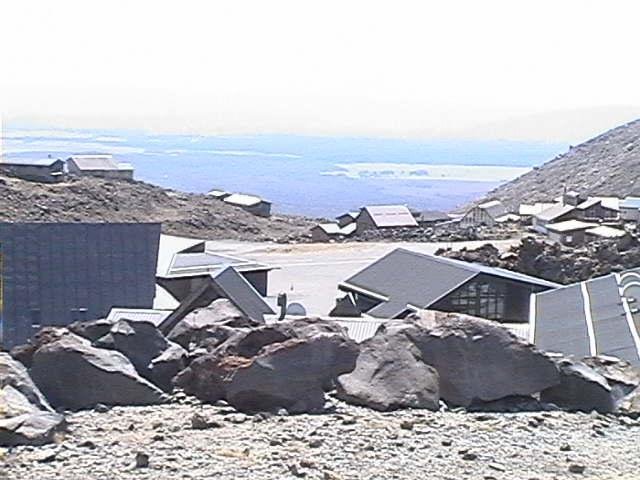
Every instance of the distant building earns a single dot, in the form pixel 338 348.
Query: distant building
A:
pixel 555 214
pixel 347 218
pixel 599 208
pixel 48 170
pixel 595 317
pixel 103 166
pixel 404 281
pixel 250 203
pixel 485 214
pixel 570 232
pixel 528 211
pixel 218 194
pixel 384 216
pixel 630 209
pixel 427 218
pixel 325 232
pixel 604 232
pixel 57 273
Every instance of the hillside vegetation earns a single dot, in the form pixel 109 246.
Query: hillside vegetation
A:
pixel 98 200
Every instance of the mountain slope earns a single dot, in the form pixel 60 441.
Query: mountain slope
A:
pixel 608 164
pixel 97 200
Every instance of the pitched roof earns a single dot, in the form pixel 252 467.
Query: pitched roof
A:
pixel 403 279
pixel 243 200
pixel 335 229
pixel 570 226
pixel 554 212
pixel 31 162
pixel 432 216
pixel 595 317
pixel 533 209
pixel 606 232
pixel 138 315
pixel 391 216
pixel 494 208
pixel 94 162
pixel 630 202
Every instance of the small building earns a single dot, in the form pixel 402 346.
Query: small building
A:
pixel 557 213
pixel 428 218
pixel 56 273
pixel 599 208
pixel 484 214
pixel 604 232
pixel 404 281
pixel 508 218
pixel 99 165
pixel 595 317
pixel 325 232
pixel 250 203
pixel 347 218
pixel 183 261
pixel 630 209
pixel 570 232
pixel 527 211
pixel 218 194
pixel 384 216
pixel 48 170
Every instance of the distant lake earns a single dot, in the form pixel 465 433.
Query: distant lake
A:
pixel 315 176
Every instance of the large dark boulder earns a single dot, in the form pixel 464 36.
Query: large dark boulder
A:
pixel 25 415
pixel 37 428
pixel 91 329
pixel 479 360
pixel 390 373
pixel 73 374
pixel 167 365
pixel 204 322
pixel 622 377
pixel 24 353
pixel 581 389
pixel 290 375
pixel 140 342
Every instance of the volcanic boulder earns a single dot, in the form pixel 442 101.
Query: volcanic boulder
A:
pixel 290 375
pixel 73 374
pixel 390 373
pixel 479 360
pixel 581 388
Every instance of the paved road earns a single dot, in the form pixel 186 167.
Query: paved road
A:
pixel 310 273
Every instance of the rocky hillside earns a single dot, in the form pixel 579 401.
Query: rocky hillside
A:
pixel 608 164
pixel 98 200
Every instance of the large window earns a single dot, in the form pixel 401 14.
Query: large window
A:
pixel 483 299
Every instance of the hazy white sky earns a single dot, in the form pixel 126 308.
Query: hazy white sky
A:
pixel 394 68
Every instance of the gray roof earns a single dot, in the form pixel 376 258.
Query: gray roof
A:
pixel 494 208
pixel 94 162
pixel 236 288
pixel 554 212
pixel 138 315
pixel 391 216
pixel 199 263
pixel 432 216
pixel 404 278
pixel 630 202
pixel 590 318
pixel 30 162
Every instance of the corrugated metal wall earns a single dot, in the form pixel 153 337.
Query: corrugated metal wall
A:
pixel 57 273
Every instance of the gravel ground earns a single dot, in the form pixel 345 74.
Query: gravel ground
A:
pixel 348 443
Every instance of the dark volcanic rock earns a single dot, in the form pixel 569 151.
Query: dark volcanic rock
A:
pixel 24 353
pixel 167 365
pixel 581 388
pixel 289 375
pixel 478 360
pixel 140 342
pixel 73 374
pixel 204 323
pixel 91 329
pixel 36 428
pixel 390 373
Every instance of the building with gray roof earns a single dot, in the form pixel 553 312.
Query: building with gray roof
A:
pixel 595 317
pixel 384 216
pixel 404 281
pixel 47 170
pixel 99 165
pixel 630 209
pixel 57 273
pixel 486 214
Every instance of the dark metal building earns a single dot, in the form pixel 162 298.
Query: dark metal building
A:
pixel 404 281
pixel 57 273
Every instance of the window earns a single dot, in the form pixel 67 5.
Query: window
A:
pixel 482 299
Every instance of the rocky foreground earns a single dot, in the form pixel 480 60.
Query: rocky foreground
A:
pixel 189 440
